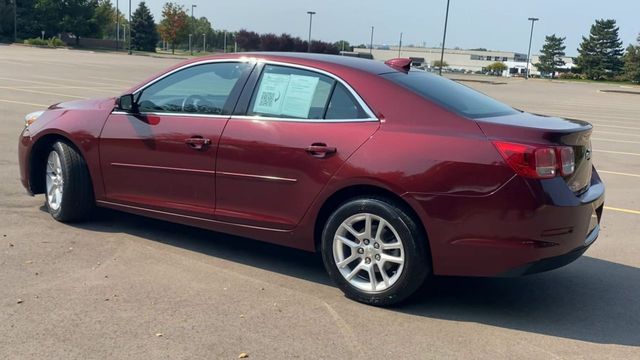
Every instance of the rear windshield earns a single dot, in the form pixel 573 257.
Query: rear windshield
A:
pixel 450 94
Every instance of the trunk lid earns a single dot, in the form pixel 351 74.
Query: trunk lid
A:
pixel 545 130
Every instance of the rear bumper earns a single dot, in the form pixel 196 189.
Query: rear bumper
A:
pixel 525 227
pixel 556 261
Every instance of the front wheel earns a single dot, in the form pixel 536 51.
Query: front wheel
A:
pixel 69 193
pixel 375 251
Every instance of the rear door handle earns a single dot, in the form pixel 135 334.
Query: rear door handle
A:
pixel 320 150
pixel 197 142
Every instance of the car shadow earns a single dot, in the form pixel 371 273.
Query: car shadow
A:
pixel 590 300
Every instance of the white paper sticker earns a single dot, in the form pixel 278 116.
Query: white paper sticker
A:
pixel 271 93
pixel 289 95
pixel 297 102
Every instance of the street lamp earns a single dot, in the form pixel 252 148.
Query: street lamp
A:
pixel 371 43
pixel 400 46
pixel 192 28
pixel 15 21
pixel 311 13
pixel 533 21
pixel 204 42
pixel 129 33
pixel 444 39
pixel 225 41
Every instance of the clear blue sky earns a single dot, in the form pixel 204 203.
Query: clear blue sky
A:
pixel 495 24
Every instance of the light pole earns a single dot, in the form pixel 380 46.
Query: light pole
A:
pixel 371 42
pixel 311 13
pixel 533 21
pixel 15 21
pixel 192 28
pixel 400 46
pixel 204 42
pixel 129 29
pixel 225 41
pixel 444 39
pixel 117 25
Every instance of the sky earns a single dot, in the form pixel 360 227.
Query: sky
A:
pixel 495 24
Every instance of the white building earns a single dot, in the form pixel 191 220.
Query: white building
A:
pixel 461 60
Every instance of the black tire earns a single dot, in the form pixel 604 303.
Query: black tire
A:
pixel 78 199
pixel 417 261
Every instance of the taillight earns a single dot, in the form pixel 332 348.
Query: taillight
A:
pixel 538 162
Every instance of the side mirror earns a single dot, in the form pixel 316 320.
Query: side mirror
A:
pixel 126 103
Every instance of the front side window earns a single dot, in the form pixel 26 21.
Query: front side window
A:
pixel 285 92
pixel 200 89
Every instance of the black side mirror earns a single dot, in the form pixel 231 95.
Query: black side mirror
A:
pixel 126 103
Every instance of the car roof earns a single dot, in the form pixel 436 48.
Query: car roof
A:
pixel 319 60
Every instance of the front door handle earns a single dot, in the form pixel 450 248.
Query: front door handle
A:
pixel 197 142
pixel 320 150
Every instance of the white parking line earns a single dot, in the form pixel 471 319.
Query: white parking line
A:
pixel 616 133
pixel 618 127
pixel 24 103
pixel 616 152
pixel 43 92
pixel 618 173
pixel 618 141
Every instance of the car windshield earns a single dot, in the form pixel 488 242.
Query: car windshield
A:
pixel 450 94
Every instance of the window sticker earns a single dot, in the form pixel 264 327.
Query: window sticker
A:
pixel 273 88
pixel 297 102
pixel 289 95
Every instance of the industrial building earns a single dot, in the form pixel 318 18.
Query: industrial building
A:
pixel 472 61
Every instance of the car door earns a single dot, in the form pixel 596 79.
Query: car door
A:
pixel 163 156
pixel 297 129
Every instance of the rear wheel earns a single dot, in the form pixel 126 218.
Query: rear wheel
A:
pixel 375 251
pixel 69 193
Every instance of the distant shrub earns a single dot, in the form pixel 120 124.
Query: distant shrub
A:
pixel 36 41
pixel 52 42
pixel 569 76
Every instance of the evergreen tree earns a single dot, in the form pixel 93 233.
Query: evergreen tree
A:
pixel 144 36
pixel 552 54
pixel 600 54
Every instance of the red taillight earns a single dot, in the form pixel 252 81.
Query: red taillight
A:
pixel 538 162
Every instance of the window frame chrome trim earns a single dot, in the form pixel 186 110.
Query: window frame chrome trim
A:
pixel 371 116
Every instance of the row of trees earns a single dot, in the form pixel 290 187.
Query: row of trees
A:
pixel 601 55
pixel 98 19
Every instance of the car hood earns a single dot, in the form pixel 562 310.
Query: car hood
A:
pixel 96 104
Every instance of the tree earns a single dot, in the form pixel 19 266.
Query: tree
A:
pixel 343 45
pixel 438 64
pixel 248 40
pixel 552 54
pixel 78 18
pixel 497 68
pixel 144 36
pixel 174 24
pixel 104 16
pixel 632 62
pixel 202 27
pixel 600 53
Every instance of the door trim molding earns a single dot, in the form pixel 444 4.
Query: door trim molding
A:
pixel 164 168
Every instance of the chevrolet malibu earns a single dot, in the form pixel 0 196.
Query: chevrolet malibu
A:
pixel 393 174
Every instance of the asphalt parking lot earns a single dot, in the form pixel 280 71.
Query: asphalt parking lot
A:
pixel 122 286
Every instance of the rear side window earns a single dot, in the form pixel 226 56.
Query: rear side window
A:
pixel 286 92
pixel 451 95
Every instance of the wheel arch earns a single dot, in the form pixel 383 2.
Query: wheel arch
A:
pixel 344 194
pixel 38 158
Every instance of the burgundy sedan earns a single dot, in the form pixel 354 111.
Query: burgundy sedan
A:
pixel 393 174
